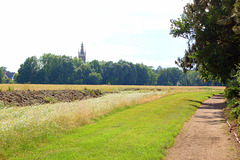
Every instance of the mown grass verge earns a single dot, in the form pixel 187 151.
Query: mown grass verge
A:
pixel 139 132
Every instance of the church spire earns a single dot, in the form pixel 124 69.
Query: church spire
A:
pixel 82 54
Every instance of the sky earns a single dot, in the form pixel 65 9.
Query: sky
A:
pixel 133 30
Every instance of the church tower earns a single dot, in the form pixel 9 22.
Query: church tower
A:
pixel 82 54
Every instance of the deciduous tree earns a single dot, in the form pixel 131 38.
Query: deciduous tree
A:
pixel 1 75
pixel 212 29
pixel 28 71
pixel 94 78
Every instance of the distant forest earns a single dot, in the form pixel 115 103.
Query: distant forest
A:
pixel 53 69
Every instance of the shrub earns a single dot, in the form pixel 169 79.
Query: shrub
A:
pixel 10 88
pixel 236 111
pixel 239 125
pixel 50 100
pixel 238 74
pixel 231 92
pixel 2 105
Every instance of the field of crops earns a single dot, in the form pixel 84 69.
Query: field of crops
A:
pixel 25 129
pixel 104 88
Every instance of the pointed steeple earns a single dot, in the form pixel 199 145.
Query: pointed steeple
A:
pixel 82 54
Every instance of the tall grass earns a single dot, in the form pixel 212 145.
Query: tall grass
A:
pixel 22 128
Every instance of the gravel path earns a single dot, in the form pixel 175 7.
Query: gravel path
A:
pixel 205 136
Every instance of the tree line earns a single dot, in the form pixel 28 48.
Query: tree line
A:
pixel 55 69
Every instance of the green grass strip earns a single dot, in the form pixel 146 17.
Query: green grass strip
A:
pixel 139 132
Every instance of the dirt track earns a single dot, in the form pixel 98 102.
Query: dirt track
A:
pixel 205 136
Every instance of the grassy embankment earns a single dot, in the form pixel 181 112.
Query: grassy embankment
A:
pixel 140 132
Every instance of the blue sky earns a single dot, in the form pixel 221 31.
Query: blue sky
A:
pixel 132 30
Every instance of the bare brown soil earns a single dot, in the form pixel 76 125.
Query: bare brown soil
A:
pixel 32 97
pixel 26 98
pixel 206 135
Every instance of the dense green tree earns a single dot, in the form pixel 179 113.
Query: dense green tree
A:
pixel 158 69
pixel 86 70
pixel 117 73
pixel 131 76
pixel 175 75
pixel 50 66
pixel 107 72
pixel 78 76
pixel 77 62
pixel 212 30
pixel 232 95
pixel 143 76
pixel 236 16
pixel 15 77
pixel 128 72
pixel 163 77
pixel 169 76
pixel 238 74
pixel 67 70
pixel 57 69
pixel 192 78
pixel 27 73
pixel 153 76
pixel 1 75
pixel 95 66
pixel 78 71
pixel 94 78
